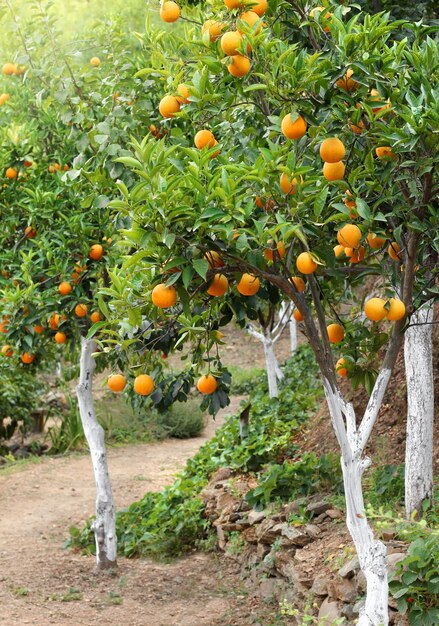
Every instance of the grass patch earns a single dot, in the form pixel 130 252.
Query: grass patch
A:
pixel 245 379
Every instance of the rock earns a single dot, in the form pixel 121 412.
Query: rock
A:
pixel 320 518
pixel 320 586
pixel 262 550
pixel 223 473
pixel 294 506
pixel 226 503
pixel 317 507
pixel 343 590
pixel 293 536
pixel 312 530
pixel 268 588
pixel 334 513
pixel 357 607
pixel 360 583
pixel 249 534
pixel 285 566
pixel 392 560
pixel 350 568
pixel 254 517
pixel 347 611
pixel 329 610
pixel 221 538
pixel 268 531
pixel 388 535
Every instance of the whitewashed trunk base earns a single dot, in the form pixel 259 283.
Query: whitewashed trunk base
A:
pixel 418 357
pixel 272 367
pixel 104 526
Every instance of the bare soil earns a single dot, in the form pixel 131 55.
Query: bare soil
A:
pixel 41 583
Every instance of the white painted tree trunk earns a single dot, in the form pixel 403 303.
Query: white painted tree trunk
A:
pixel 286 313
pixel 292 327
pixel 104 526
pixel 418 357
pixel 371 553
pixel 272 366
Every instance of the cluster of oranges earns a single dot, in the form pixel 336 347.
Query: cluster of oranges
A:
pixel 56 167
pixel 144 384
pixel 13 69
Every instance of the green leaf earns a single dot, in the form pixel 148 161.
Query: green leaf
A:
pixel 201 266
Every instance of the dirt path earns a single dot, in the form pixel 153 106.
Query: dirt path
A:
pixel 40 583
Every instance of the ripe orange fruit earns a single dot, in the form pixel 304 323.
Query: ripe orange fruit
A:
pixel 38 329
pixel 75 277
pixel 349 236
pixel 347 82
pixel 357 128
pixel 332 150
pixel 248 285
pixel 375 242
pixel 27 358
pixel 218 286
pixel 95 317
pixel 116 382
pixel 384 152
pixel 169 106
pixel 269 252
pixel 183 94
pixel 204 138
pixel 335 333
pixel 339 250
pixel 374 309
pixel 207 384
pixel 96 252
pixel 305 263
pixel 143 384
pixel 11 173
pixel 213 28
pixel 54 321
pixel 29 232
pixel 340 369
pixel 7 351
pixel 357 254
pixel 60 337
pixel 163 297
pixel 375 96
pixel 170 11
pixel 250 18
pixel 81 310
pixel 394 251
pixel 214 259
pixel 4 97
pixel 3 327
pixel 396 311
pixel 239 66
pixel 8 69
pixel 95 61
pixel 287 185
pixel 293 130
pixel 232 4
pixel 334 171
pixel 298 282
pixel 298 315
pixel 258 6
pixel 65 288
pixel 230 42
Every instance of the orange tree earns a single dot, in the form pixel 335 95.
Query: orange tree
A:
pixel 331 123
pixel 69 113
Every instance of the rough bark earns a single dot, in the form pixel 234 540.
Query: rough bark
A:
pixel 104 526
pixel 418 357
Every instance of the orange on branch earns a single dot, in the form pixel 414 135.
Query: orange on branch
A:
pixel 143 384
pixel 305 263
pixel 207 384
pixel 169 106
pixel 183 94
pixel 385 152
pixel 213 28
pixel 239 66
pixel 230 42
pixel 332 150
pixel 293 130
pixel 298 315
pixel 374 309
pixel 258 6
pixel 334 171
pixel 349 236
pixel 218 286
pixel 250 18
pixel 325 18
pixel 81 310
pixel 374 241
pixel 287 185
pixel 60 337
pixel 347 82
pixel 164 297
pixel 116 382
pixel 357 255
pixel 95 61
pixel 249 285
pixel 335 333
pixel 214 259
pixel 7 351
pixel 30 232
pixel 8 69
pixel 339 250
pixel 169 11
pixel 298 282
pixel 394 251
pixel 27 358
pixel 232 4
pixel 269 252
pixel 204 138
pixel 95 317
pixel 38 329
pixel 64 288
pixel 11 173
pixel 396 311
pixel 340 368
pixel 96 252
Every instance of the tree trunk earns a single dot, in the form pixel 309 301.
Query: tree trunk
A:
pixel 272 366
pixel 104 526
pixel 292 326
pixel 371 553
pixel 418 357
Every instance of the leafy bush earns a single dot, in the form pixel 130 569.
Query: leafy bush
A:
pixel 416 583
pixel 386 485
pixel 244 380
pixel 308 475
pixel 170 522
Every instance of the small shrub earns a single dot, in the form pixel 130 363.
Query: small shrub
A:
pixel 386 485
pixel 181 421
pixel 416 583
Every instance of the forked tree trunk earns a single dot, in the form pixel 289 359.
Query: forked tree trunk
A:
pixel 418 357
pixel 104 527
pixel 371 553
